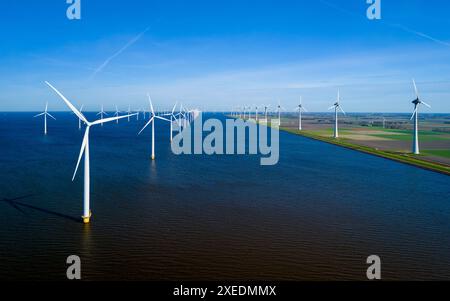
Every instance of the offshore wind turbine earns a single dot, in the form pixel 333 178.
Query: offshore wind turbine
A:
pixel 45 114
pixel 117 114
pixel 417 102
pixel 129 113
pixel 153 116
pixel 300 108
pixel 101 113
pixel 336 107
pixel 173 118
pixel 84 151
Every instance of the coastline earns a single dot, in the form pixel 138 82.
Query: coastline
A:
pixel 398 157
pixel 404 158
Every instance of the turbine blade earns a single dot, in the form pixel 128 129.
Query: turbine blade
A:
pixel 151 104
pixel 330 108
pixel 304 109
pixel 146 125
pixel 174 107
pixel 51 116
pixel 39 115
pixel 415 88
pixel 341 110
pixel 162 118
pixel 424 103
pixel 75 110
pixel 46 106
pixel 83 148
pixel 414 113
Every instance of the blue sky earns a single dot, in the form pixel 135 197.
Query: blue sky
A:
pixel 219 54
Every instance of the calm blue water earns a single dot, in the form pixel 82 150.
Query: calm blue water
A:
pixel 318 214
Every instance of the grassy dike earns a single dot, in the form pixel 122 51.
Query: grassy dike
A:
pixel 399 157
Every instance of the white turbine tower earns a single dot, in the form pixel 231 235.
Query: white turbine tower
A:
pixel 84 151
pixel 336 108
pixel 45 114
pixel 153 116
pixel 101 113
pixel 415 115
pixel 300 110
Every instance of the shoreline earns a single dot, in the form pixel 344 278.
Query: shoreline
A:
pixel 398 157
pixel 393 156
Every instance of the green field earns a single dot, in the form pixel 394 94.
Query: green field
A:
pixel 396 156
pixel 438 152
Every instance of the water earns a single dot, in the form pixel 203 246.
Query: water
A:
pixel 318 214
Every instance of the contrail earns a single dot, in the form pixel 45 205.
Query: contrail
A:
pixel 127 45
pixel 398 26
pixel 420 34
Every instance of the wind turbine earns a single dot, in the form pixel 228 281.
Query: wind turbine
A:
pixel 266 107
pixel 101 113
pixel 153 116
pixel 300 109
pixel 45 114
pixel 138 111
pixel 279 108
pixel 144 111
pixel 116 114
pixel 256 113
pixel 84 151
pixel 129 113
pixel 172 119
pixel 415 115
pixel 336 108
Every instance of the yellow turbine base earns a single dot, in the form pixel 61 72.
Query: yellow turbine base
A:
pixel 153 157
pixel 87 219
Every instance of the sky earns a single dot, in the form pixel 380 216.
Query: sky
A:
pixel 218 55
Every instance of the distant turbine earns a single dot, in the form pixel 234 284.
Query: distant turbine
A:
pixel 300 109
pixel 144 112
pixel 101 113
pixel 84 150
pixel 45 114
pixel 266 107
pixel 138 111
pixel 415 115
pixel 173 118
pixel 336 107
pixel 279 108
pixel 152 121
pixel 117 114
pixel 129 112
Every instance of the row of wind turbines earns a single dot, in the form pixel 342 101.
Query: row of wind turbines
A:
pixel 183 118
pixel 246 112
